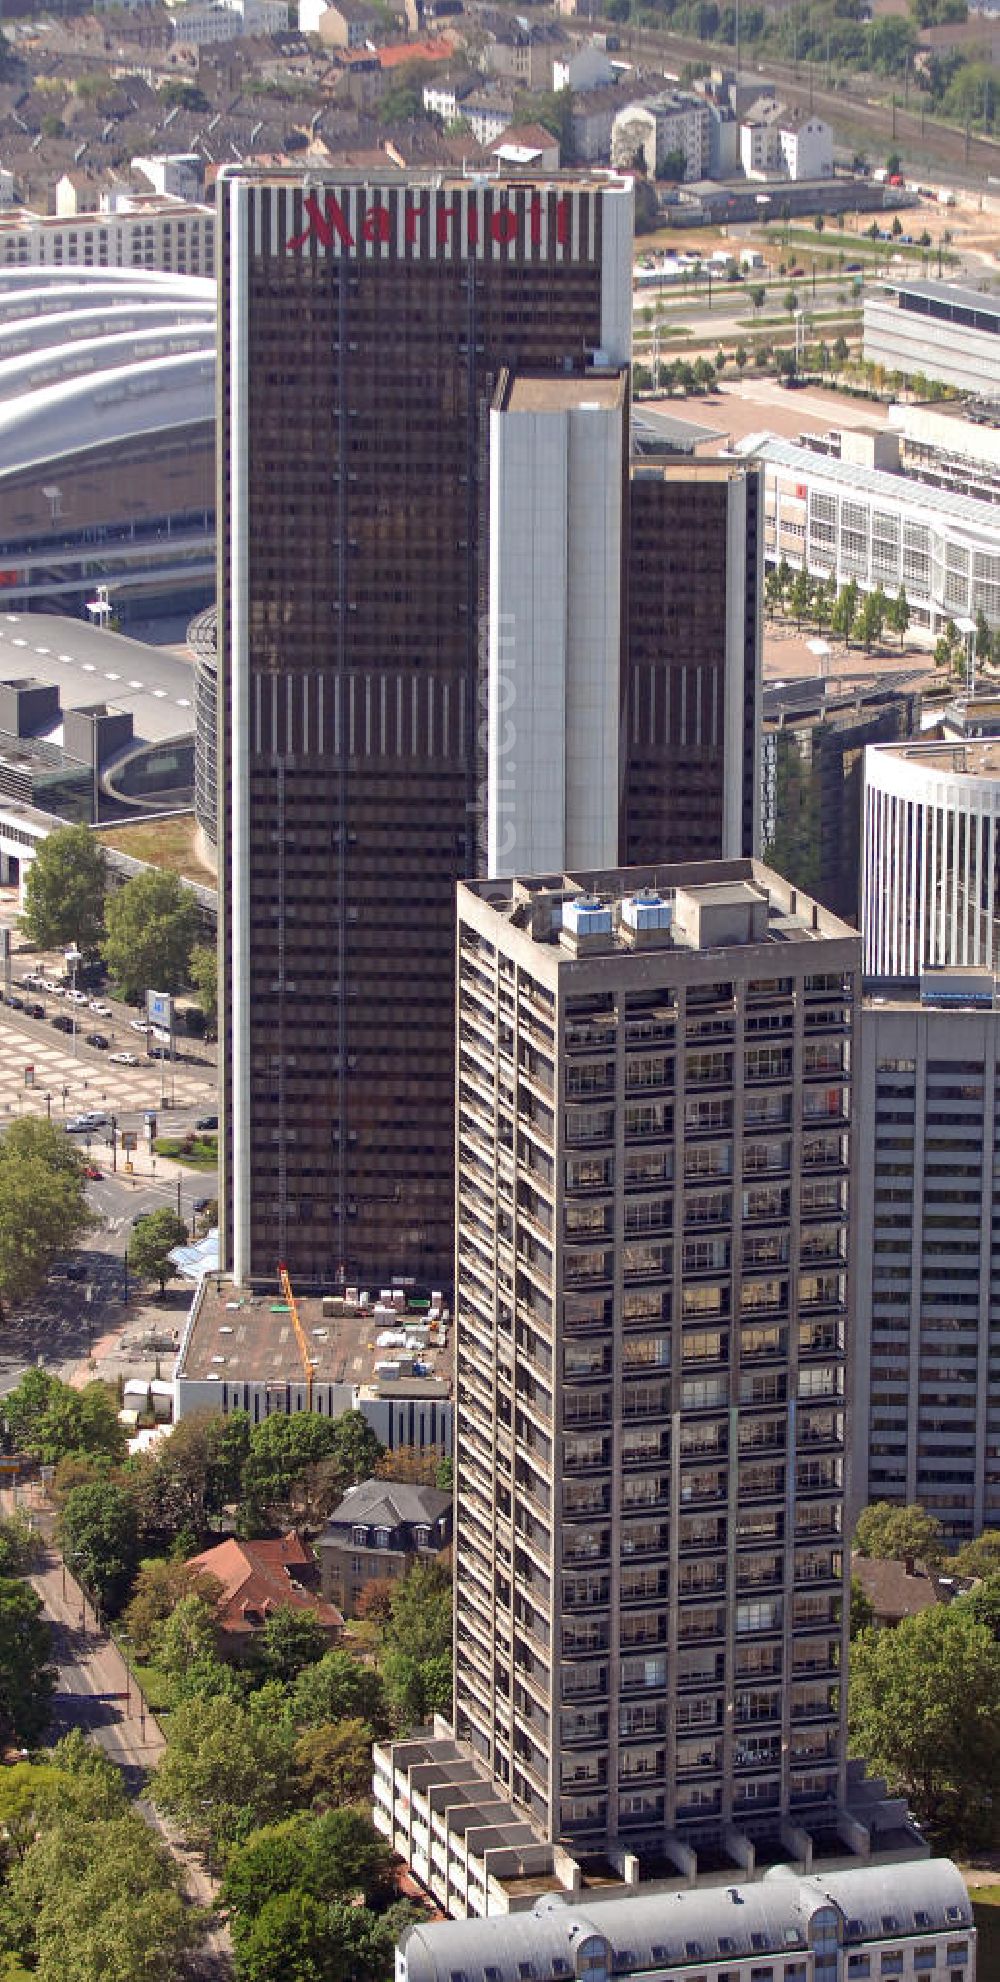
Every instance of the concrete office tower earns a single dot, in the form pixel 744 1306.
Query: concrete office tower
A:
pixel 654 1259
pixel 558 483
pixel 926 1422
pixel 363 329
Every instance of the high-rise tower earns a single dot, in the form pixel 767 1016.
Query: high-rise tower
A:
pixel 458 634
pixel 363 328
pixel 653 1289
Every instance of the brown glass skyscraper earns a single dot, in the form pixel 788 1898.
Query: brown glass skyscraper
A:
pixel 362 331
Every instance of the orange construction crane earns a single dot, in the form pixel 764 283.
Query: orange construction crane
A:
pixel 300 1334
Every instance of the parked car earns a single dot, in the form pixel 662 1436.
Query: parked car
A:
pixel 62 1022
pixel 124 1060
pixel 207 1122
pixel 35 1011
pixel 77 997
pixel 92 1172
pixel 16 1004
pixel 98 1039
pixel 79 1125
pixel 139 1025
pixel 98 1005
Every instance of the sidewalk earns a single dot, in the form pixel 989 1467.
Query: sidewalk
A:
pixel 96 1691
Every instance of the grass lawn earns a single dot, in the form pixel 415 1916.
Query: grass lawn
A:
pixel 164 843
pixel 986 1908
pixel 156 1687
pixel 196 1152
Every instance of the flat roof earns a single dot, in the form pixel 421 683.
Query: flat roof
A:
pixel 155 684
pixel 961 757
pixel 527 393
pixel 948 295
pixel 244 1334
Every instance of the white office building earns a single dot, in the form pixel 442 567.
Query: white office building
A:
pixel 128 230
pixel 557 461
pixel 929 880
pixel 938 329
pixel 849 521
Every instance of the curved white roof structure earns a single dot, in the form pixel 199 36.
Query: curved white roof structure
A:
pixel 104 372
pixel 83 366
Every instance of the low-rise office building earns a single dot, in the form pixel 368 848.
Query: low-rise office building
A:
pixel 844 520
pixel 938 330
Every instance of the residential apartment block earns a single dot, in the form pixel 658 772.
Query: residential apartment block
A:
pixel 926 1423
pixel 129 230
pixel 655 1167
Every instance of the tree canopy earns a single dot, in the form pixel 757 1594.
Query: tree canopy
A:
pixel 303 1464
pixel 204 970
pixel 43 1205
pixel 340 1688
pixel 26 1678
pixel 979 1557
pixel 225 1771
pixel 152 927
pixel 98 1532
pixel 417 1663
pixel 152 1243
pixel 893 1533
pixel 64 891
pixel 51 1419
pixel 924 1711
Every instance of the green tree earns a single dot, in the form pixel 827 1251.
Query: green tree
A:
pixel 818 222
pixel 924 1711
pixel 801 595
pixel 841 351
pixel 43 1205
pixel 333 1763
pixel 790 301
pixel 417 1689
pixel 153 1241
pixel 340 1688
pixel 204 968
pixel 26 1678
pixel 290 1640
pixel 674 167
pixel 984 637
pixel 152 926
pixel 101 1899
pixel 357 1450
pixel 98 1534
pixel 980 1557
pixel 336 1855
pixel 64 891
pixel 223 1773
pixel 983 1605
pixel 192 1474
pixel 898 615
pixel 19 1545
pixel 189 1634
pixel 871 618
pixel 158 1589
pixel 303 1464
pixel 757 294
pixel 895 1533
pixel 79 1422
pixel 845 610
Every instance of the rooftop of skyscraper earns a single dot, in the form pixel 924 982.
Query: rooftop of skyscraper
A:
pixel 693 907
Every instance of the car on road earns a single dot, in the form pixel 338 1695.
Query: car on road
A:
pixel 34 1011
pixel 49 984
pixel 98 1039
pixel 124 1060
pixel 79 1125
pixel 77 997
pixel 17 1004
pixel 62 1022
pixel 98 1005
pixel 853 268
pixel 138 1025
pixel 200 1204
pixel 93 1174
pixel 207 1122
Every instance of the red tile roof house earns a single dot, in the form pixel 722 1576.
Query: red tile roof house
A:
pixel 257 1578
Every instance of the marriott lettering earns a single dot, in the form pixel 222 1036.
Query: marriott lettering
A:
pixel 460 225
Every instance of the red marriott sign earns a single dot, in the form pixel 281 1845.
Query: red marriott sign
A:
pixel 481 222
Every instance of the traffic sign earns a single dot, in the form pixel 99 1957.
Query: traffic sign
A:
pixel 29 1076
